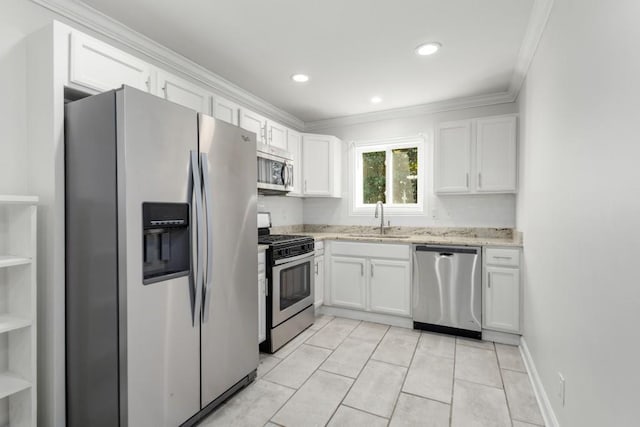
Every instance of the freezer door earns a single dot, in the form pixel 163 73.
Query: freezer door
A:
pixel 159 346
pixel 447 286
pixel 230 304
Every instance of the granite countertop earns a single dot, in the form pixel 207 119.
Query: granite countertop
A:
pixel 262 247
pixel 440 240
pixel 413 235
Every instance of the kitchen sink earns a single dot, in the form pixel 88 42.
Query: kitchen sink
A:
pixel 380 236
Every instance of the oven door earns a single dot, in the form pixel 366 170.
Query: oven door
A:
pixel 292 287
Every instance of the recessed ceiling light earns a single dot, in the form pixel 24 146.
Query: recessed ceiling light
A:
pixel 428 48
pixel 300 78
pixel 376 100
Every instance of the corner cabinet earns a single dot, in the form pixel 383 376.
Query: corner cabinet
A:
pixel 501 290
pixel 321 166
pixel 370 277
pixel 18 377
pixel 476 156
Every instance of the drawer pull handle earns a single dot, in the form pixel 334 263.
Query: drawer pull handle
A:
pixel 502 257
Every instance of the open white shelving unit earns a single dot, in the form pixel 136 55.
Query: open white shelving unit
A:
pixel 18 311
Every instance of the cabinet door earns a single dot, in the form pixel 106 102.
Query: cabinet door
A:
pixel 99 67
pixel 502 299
pixel 496 154
pixel 453 158
pixel 316 165
pixel 255 123
pixel 277 135
pixel 319 281
pixel 390 287
pixel 180 91
pixel 225 110
pixel 262 313
pixel 294 146
pixel 348 282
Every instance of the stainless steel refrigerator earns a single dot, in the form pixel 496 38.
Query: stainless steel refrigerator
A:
pixel 161 266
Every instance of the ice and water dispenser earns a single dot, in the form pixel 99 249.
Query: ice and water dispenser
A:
pixel 166 241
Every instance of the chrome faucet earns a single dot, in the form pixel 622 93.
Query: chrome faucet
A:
pixel 379 203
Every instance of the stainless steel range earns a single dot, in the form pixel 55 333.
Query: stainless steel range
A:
pixel 290 284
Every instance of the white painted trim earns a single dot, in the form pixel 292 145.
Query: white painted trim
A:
pixel 500 337
pixel 416 110
pixel 102 24
pixel 540 12
pixel 548 415
pixel 367 316
pixel 91 18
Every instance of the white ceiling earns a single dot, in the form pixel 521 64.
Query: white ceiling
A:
pixel 352 49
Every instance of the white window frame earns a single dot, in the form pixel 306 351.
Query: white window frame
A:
pixel 358 148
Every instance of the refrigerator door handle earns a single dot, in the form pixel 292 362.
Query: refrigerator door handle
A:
pixel 206 294
pixel 197 196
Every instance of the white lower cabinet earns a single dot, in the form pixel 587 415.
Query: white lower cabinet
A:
pixel 348 282
pixel 501 292
pixel 370 277
pixel 262 298
pixel 388 290
pixel 318 295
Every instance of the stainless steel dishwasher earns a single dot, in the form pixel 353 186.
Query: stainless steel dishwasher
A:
pixel 447 291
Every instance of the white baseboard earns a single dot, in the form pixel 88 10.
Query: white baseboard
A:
pixel 500 337
pixel 385 319
pixel 548 415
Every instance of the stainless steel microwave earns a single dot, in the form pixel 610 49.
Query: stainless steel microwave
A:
pixel 275 170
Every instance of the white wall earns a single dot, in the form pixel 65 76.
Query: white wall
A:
pixel 444 211
pixel 284 210
pixel 18 18
pixel 579 209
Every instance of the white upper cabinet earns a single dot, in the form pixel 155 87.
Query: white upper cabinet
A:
pixel 95 66
pixel 277 135
pixel 254 122
pixel 294 146
pixel 476 156
pixel 453 157
pixel 225 110
pixel 321 165
pixel 180 91
pixel 496 154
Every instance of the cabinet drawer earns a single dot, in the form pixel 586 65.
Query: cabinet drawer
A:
pixel 504 257
pixel 372 250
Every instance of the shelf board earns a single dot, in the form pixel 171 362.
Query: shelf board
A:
pixel 11 383
pixel 10 261
pixel 9 323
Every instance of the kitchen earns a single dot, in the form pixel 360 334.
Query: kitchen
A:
pixel 555 96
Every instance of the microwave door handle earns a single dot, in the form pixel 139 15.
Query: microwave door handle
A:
pixel 199 223
pixel 283 174
pixel 207 285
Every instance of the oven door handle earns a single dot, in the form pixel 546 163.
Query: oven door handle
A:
pixel 309 255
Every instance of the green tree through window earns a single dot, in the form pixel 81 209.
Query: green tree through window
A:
pixel 374 177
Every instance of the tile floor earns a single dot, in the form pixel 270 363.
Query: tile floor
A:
pixel 343 372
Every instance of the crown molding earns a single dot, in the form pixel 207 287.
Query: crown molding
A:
pixel 538 18
pixel 106 26
pixel 416 110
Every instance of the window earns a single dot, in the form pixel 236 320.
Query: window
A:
pixel 390 172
